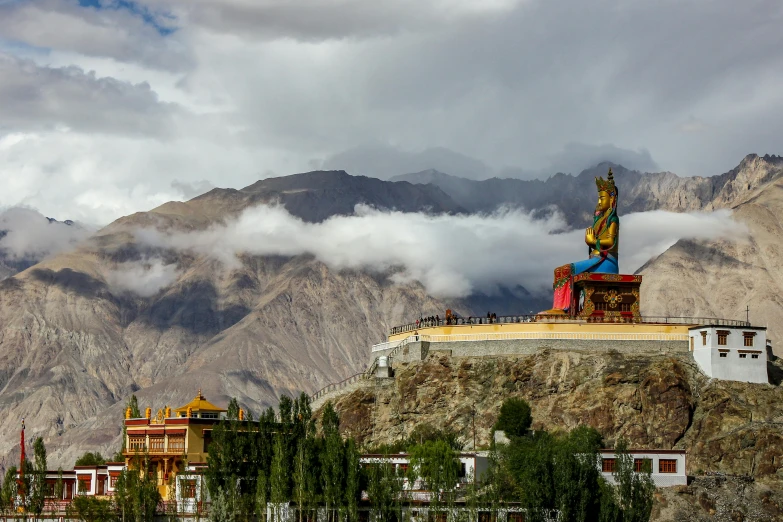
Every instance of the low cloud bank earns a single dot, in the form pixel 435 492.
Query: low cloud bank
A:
pixel 143 278
pixel 27 235
pixel 451 255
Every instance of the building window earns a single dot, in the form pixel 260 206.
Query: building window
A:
pixel 723 336
pixel 516 517
pixel 748 337
pixel 85 483
pixel 703 338
pixel 156 444
pixel 754 356
pixel 642 465
pixel 137 443
pixel 209 415
pixel 177 444
pixel 667 466
pixel 189 488
pixel 402 469
pixel 113 481
pixel 724 354
pixel 743 356
pixel 607 465
pixel 486 516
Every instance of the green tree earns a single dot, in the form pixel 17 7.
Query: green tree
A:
pixel 278 478
pixel 332 463
pixel 436 464
pixel 384 488
pixel 37 495
pixel 303 483
pixel 59 486
pixel 425 432
pixel 515 417
pixel 135 413
pixel 8 491
pixel 262 494
pixel 136 494
pixel 634 491
pixel 576 476
pixel 352 490
pixel 133 404
pixel 91 459
pixel 90 509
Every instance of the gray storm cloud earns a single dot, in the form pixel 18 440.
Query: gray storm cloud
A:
pixel 28 235
pixel 451 255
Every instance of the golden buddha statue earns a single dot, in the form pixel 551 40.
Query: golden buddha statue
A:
pixel 602 240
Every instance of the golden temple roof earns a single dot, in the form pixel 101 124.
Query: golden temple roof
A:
pixel 199 403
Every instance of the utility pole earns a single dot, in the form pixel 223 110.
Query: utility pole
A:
pixel 747 314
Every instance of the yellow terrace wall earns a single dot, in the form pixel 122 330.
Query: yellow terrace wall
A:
pixel 526 329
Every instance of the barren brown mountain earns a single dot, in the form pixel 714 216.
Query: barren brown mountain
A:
pixel 74 346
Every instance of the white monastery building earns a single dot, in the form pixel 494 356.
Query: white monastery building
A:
pixel 730 353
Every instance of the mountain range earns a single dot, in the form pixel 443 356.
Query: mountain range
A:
pixel 76 340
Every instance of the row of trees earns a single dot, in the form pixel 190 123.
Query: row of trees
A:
pixel 291 460
pixel 255 467
pixel 547 471
pixel 29 490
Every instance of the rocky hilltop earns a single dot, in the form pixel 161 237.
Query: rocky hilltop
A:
pixel 654 400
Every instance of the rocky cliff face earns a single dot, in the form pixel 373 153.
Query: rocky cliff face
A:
pixel 654 400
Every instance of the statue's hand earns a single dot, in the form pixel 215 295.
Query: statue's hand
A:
pixel 590 236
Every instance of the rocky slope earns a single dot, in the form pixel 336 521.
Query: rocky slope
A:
pixel 721 278
pixel 653 400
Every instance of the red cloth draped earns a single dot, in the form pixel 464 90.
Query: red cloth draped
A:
pixel 562 287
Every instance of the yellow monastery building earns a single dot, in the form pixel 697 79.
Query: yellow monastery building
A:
pixel 170 443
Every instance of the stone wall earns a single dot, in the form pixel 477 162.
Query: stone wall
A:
pixel 418 351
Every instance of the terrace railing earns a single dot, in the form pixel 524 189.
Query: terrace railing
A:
pixel 541 318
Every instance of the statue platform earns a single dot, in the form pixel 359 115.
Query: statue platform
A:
pixel 605 296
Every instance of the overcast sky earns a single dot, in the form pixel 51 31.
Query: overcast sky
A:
pixel 108 107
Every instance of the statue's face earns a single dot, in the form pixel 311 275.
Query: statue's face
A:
pixel 604 202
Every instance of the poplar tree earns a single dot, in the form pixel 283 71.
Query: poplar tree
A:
pixel 435 462
pixel 352 491
pixel 301 477
pixel 38 483
pixel 8 491
pixel 278 477
pixel 383 489
pixel 332 458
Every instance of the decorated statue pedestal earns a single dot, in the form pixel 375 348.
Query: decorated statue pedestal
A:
pixel 605 297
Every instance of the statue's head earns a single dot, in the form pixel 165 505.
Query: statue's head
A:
pixel 607 194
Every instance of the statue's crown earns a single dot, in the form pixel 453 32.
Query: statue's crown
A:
pixel 606 185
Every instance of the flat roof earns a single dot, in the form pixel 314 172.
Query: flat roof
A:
pixel 723 327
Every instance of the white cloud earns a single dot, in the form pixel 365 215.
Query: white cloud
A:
pixel 28 235
pixel 451 255
pixel 144 278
